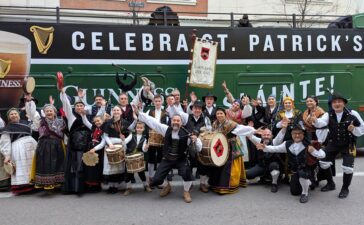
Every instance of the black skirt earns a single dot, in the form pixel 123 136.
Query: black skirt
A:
pixel 50 159
pixel 93 174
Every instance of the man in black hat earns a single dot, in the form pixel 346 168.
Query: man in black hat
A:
pixel 299 160
pixel 344 126
pixel 210 110
pixel 193 123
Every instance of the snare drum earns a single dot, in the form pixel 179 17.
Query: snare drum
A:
pixel 215 149
pixel 115 155
pixel 155 139
pixel 135 163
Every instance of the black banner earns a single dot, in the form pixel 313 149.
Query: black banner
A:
pixel 83 41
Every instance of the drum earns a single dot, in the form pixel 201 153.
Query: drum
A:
pixel 135 163
pixel 215 149
pixel 155 139
pixel 29 85
pixel 60 81
pixel 90 158
pixel 115 155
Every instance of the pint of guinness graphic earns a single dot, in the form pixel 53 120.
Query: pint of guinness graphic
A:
pixel 15 54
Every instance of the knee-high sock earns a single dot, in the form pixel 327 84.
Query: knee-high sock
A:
pixel 151 171
pixel 203 179
pixel 275 175
pixel 305 184
pixel 187 185
pixel 128 185
pixel 165 183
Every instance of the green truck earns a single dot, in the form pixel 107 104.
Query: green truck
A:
pixel 256 61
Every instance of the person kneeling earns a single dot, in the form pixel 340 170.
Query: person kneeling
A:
pixel 299 155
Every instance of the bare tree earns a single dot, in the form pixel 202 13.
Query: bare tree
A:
pixel 309 12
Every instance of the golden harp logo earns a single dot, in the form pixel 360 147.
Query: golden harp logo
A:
pixel 43 38
pixel 4 67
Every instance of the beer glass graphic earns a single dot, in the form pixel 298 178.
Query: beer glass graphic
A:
pixel 15 54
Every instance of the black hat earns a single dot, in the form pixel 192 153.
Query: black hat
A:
pixel 197 103
pixel 336 96
pixel 298 125
pixel 209 94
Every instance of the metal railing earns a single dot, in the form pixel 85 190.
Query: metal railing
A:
pixel 133 17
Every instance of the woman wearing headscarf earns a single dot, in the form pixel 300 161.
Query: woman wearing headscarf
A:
pixel 18 147
pixel 50 152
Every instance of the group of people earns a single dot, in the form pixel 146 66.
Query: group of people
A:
pixel 282 144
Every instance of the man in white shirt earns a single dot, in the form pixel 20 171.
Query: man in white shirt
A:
pixel 298 152
pixel 344 126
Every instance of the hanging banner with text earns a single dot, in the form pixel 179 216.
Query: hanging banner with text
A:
pixel 202 73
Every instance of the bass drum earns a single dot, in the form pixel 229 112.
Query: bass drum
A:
pixel 215 149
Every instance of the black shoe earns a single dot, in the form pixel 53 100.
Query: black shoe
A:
pixel 312 187
pixel 274 188
pixel 343 193
pixel 330 186
pixel 304 198
pixel 114 190
pixel 109 191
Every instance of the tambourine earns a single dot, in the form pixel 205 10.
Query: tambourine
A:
pixel 29 85
pixel 9 168
pixel 90 158
pixel 60 81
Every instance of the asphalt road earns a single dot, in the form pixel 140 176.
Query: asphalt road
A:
pixel 252 205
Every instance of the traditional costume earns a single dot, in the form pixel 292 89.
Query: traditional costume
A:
pixel 174 155
pixel 227 179
pixel 155 150
pixel 50 152
pixel 93 174
pixel 17 144
pixel 340 140
pixel 4 177
pixel 137 144
pixel 79 139
pixel 300 163
pixel 114 174
pixel 267 164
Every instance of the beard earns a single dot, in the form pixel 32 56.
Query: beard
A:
pixel 175 127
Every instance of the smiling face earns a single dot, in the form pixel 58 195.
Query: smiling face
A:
pixel 235 106
pixel 297 135
pixel 49 113
pixel 267 135
pixel 196 111
pixel 338 105
pixel 139 128
pixel 116 111
pixel 176 122
pixel 14 117
pixel 311 103
pixel 288 105
pixel 79 108
pixel 98 121
pixel 220 116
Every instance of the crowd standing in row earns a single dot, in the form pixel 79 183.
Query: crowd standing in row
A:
pixel 284 145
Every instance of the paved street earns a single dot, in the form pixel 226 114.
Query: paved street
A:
pixel 253 205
